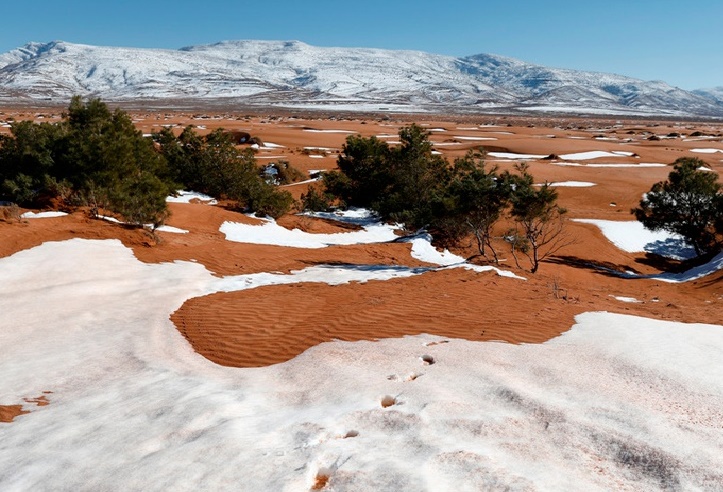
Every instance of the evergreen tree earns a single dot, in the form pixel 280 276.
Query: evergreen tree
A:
pixel 215 166
pixel 538 216
pixel 27 161
pixel 480 198
pixel 94 153
pixel 689 203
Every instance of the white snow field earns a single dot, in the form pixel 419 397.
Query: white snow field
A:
pixel 616 403
pixel 595 154
pixel 513 155
pixel 642 164
pixel 474 138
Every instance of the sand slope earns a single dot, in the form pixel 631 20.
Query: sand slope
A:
pixel 272 324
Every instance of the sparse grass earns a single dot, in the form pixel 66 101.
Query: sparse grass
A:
pixel 10 213
pixel 560 292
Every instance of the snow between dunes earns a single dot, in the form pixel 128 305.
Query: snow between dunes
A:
pixel 616 402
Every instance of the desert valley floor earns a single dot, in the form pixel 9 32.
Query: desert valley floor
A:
pixel 229 353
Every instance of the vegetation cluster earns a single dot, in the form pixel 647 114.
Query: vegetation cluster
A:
pixel 689 203
pixel 96 158
pixel 411 185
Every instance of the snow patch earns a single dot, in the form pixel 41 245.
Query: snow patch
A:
pixel 637 400
pixel 706 151
pixel 171 229
pixel 473 138
pixel 572 184
pixel 595 154
pixel 626 299
pixel 512 155
pixel 271 233
pixel 187 196
pixel 596 164
pixel 311 130
pixel 633 237
pixel 42 215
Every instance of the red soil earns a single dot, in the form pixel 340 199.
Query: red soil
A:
pixel 273 324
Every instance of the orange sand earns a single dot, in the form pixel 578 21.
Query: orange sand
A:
pixel 273 324
pixel 9 412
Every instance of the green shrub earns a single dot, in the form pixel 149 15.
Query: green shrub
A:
pixel 688 203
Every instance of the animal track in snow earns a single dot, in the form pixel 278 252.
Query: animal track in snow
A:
pixel 409 377
pixel 432 344
pixel 427 359
pixel 388 401
pixel 321 478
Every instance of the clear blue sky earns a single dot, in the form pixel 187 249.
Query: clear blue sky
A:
pixel 678 42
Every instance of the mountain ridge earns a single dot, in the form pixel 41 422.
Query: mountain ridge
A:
pixel 294 74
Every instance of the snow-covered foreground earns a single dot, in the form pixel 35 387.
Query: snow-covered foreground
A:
pixel 616 403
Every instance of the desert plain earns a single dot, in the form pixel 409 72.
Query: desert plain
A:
pixel 289 355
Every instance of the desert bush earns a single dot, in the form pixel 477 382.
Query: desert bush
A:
pixel 215 166
pixel 480 198
pixel 540 221
pixel 27 158
pixel 410 185
pixel 316 200
pixel 688 203
pixel 87 159
pixel 404 184
pixel 286 173
pixel 140 200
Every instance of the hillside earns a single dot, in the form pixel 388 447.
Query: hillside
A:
pixel 296 75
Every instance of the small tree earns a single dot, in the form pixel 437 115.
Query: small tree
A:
pixel 405 184
pixel 364 172
pixel 539 218
pixel 111 164
pixel 215 166
pixel 95 156
pixel 689 203
pixel 479 199
pixel 27 160
pixel 316 200
pixel 419 179
pixel 140 199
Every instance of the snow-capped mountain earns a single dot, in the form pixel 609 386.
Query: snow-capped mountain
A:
pixel 715 94
pixel 294 74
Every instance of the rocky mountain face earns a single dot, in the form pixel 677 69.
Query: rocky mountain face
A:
pixel 296 75
pixel 714 94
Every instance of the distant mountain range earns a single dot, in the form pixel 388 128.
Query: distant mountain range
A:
pixel 295 75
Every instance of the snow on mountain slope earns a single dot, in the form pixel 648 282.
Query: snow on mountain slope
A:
pixel 715 93
pixel 293 73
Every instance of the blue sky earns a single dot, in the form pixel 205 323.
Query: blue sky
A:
pixel 648 39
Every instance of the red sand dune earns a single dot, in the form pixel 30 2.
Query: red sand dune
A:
pixel 273 324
